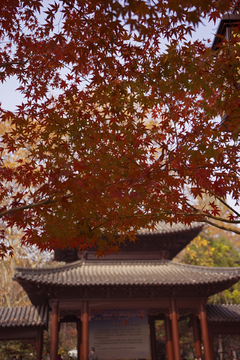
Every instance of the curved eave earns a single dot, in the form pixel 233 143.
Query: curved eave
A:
pixel 127 273
pixel 223 313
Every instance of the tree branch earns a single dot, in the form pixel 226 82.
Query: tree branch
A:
pixel 30 206
pixel 222 227
pixel 227 205
pixel 12 63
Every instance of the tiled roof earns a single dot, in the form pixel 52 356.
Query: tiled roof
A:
pixel 24 316
pixel 223 313
pixel 129 272
pixel 167 228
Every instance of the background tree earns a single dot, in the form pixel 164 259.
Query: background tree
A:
pixel 93 166
pixel 208 251
pixel 12 293
pixel 218 232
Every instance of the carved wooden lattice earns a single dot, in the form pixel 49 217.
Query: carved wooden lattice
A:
pixel 76 313
pixel 185 311
pixel 158 311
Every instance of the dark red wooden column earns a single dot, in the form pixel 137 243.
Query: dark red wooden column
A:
pixel 40 343
pixel 175 333
pixel 85 335
pixel 204 329
pixel 169 341
pixel 54 331
pixel 153 337
pixel 196 335
pixel 79 340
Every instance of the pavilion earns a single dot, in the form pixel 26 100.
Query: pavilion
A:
pixel 140 279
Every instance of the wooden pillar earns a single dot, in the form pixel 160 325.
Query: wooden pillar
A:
pixel 54 331
pixel 211 339
pixel 220 344
pixel 204 329
pixel 196 335
pixel 40 343
pixel 79 340
pixel 85 335
pixel 153 337
pixel 175 333
pixel 169 341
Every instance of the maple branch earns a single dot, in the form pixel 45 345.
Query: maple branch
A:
pixel 30 206
pixel 13 63
pixel 196 212
pixel 227 205
pixel 217 218
pixel 222 227
pixel 100 225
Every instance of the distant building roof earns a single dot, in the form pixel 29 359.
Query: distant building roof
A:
pixel 165 241
pixel 227 21
pixel 223 313
pixel 24 316
pixel 167 228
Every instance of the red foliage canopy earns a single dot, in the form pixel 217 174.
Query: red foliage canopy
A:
pixel 119 125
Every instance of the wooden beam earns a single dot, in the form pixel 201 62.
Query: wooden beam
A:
pixel 169 341
pixel 54 331
pixel 85 330
pixel 144 303
pixel 225 327
pixel 19 333
pixel 118 303
pixel 175 332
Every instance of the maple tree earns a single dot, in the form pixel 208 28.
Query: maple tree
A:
pixel 120 119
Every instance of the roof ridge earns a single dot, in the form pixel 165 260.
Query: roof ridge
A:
pixel 84 262
pixel 170 228
pixel 124 261
pixel 52 268
pixel 233 269
pixel 100 262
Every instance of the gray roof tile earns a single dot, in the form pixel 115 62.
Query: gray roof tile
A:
pixel 127 272
pixel 24 316
pixel 223 313
pixel 167 228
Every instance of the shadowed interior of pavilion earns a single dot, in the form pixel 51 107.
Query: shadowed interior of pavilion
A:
pixel 28 323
